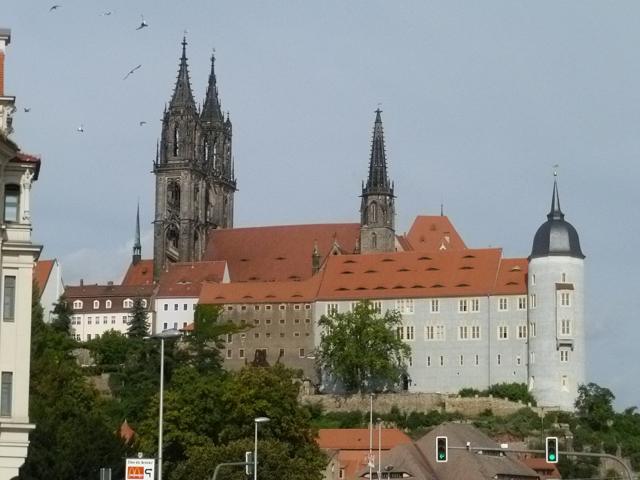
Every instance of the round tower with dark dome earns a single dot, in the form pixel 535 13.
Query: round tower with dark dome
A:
pixel 556 311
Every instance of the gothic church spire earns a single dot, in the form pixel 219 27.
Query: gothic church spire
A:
pixel 182 95
pixel 211 110
pixel 378 179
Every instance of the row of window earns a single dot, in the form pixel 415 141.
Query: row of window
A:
pixel 563 278
pixel 176 307
pixel 282 306
pixel 475 361
pixel 281 321
pixel 465 332
pixel 243 336
pixel 281 353
pixel 77 320
pixel 126 303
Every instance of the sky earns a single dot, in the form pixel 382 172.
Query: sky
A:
pixel 480 100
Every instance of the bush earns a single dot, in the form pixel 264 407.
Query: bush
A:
pixel 511 391
pixel 469 392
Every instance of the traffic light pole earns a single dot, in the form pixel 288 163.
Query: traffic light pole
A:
pixel 229 464
pixel 568 454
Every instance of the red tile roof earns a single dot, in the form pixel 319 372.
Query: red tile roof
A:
pixel 358 438
pixel 260 292
pixel 41 273
pixel 109 291
pixel 540 465
pixel 277 253
pixel 140 273
pixel 512 277
pixel 431 233
pixel 185 279
pixel 443 273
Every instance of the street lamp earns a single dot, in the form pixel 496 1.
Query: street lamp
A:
pixel 164 335
pixel 257 422
pixel 379 446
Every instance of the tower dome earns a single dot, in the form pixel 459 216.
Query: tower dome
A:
pixel 556 236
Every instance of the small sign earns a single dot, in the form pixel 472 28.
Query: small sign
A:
pixel 140 469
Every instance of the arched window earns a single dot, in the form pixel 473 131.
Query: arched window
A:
pixel 127 303
pixel 144 302
pixel 374 240
pixel 96 304
pixel 173 194
pixel 107 304
pixel 373 213
pixel 11 202
pixel 215 153
pixel 176 140
pixel 77 304
pixel 173 237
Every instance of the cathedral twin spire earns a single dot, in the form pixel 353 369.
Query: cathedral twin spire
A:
pixel 182 95
pixel 378 179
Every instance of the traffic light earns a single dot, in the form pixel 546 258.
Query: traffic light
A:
pixel 248 460
pixel 551 449
pixel 442 447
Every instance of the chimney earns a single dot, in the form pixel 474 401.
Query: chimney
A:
pixel 5 39
pixel 82 282
pixel 110 283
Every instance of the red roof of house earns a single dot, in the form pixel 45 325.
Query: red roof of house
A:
pixel 41 273
pixel 432 233
pixel 260 292
pixel 140 273
pixel 185 279
pixel 278 253
pixel 540 465
pixel 126 432
pixel 358 438
pixel 115 291
pixel 441 273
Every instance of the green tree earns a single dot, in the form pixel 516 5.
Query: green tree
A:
pixel 72 439
pixel 62 315
pixel 138 325
pixel 512 391
pixel 594 406
pixel 361 349
pixel 110 350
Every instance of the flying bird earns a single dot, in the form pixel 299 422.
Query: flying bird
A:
pixel 131 71
pixel 142 23
pixel 80 129
pixel 54 7
pixel 142 123
pixel 107 13
pixel 27 109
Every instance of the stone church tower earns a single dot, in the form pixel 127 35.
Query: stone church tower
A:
pixel 377 210
pixel 194 173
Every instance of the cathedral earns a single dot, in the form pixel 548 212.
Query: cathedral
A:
pixel 472 317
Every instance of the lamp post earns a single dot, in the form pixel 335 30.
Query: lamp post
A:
pixel 257 421
pixel 164 335
pixel 379 446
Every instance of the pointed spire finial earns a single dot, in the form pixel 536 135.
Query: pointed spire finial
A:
pixel 137 247
pixel 182 96
pixel 211 108
pixel 378 179
pixel 442 209
pixel 556 212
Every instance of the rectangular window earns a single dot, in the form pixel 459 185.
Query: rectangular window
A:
pixel 428 360
pixel 475 304
pixel 461 360
pixel 532 329
pixel 440 332
pixel 354 305
pixel 281 354
pixel 477 360
pixel 11 203
pixel 564 382
pixel 533 279
pixel 442 360
pixel 463 332
pixel 522 303
pixel 410 361
pixel 332 308
pixel 518 360
pixel 565 299
pixel 283 321
pixel 532 358
pixel 565 327
pixel 503 304
pixel 377 306
pixel 6 394
pixel 499 359
pixel 503 333
pixel 301 353
pixel 165 326
pixel 241 353
pixel 410 332
pixel 267 307
pixel 475 332
pixel 88 337
pixel 256 307
pixel 256 321
pixel 175 307
pixel 435 305
pixel 175 325
pixel 166 307
pixel 282 306
pixel 405 306
pixel 229 353
pixel 429 332
pixel 463 305
pixel 532 300
pixel 522 331
pixel 296 306
pixel 256 335
pixel 564 355
pixel 9 304
pixel 113 320
pixel 185 307
pixel 400 333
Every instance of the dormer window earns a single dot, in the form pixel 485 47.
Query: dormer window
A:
pixel 107 304
pixel 128 303
pixel 144 303
pixel 11 202
pixel 96 304
pixel 77 304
